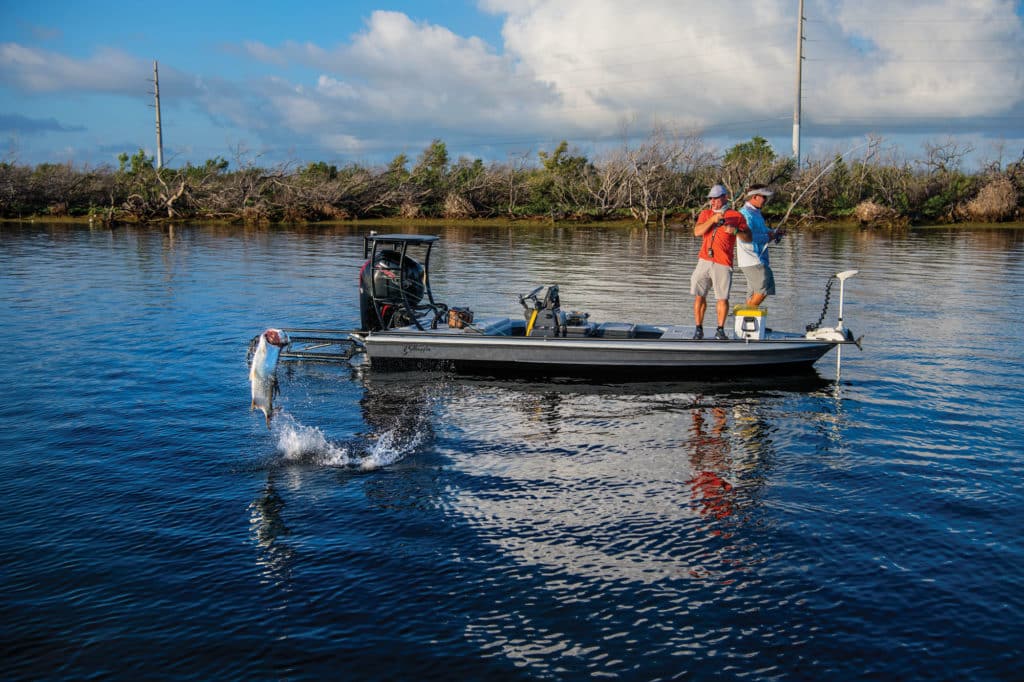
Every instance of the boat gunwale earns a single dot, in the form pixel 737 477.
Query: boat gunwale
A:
pixel 436 338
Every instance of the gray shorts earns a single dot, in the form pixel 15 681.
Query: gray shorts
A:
pixel 760 280
pixel 708 274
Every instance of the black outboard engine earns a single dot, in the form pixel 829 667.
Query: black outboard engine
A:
pixel 389 290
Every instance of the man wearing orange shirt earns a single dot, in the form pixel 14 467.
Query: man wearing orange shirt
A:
pixel 720 227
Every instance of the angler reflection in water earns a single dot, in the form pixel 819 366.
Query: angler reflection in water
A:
pixel 731 452
pixel 711 492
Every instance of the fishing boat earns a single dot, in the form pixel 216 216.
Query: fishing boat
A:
pixel 403 326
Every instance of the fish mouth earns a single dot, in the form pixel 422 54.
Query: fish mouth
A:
pixel 276 337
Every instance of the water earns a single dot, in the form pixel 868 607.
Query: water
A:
pixel 423 526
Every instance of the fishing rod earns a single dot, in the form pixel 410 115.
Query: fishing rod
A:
pixel 820 175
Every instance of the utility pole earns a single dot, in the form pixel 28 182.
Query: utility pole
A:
pixel 799 71
pixel 159 133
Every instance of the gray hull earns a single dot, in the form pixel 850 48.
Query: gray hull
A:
pixel 400 349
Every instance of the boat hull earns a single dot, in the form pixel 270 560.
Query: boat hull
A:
pixel 559 356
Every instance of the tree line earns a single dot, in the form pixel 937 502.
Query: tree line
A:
pixel 662 179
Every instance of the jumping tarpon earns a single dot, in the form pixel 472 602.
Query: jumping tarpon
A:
pixel 263 374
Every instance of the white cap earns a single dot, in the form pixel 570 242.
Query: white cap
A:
pixel 762 191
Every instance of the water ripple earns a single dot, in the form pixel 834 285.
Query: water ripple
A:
pixel 428 526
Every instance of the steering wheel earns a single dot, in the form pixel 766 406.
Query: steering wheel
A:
pixel 531 295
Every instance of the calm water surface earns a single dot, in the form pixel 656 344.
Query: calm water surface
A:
pixel 423 526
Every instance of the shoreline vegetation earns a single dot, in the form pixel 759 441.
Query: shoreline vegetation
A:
pixel 662 181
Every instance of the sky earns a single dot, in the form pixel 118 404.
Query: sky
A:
pixel 361 81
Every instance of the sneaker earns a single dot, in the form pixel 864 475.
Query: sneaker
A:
pixel 699 334
pixel 720 335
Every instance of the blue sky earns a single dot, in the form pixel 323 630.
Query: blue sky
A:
pixel 358 81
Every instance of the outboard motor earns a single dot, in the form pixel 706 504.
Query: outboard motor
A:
pixel 388 290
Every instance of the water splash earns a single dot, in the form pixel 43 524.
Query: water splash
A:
pixel 391 446
pixel 308 444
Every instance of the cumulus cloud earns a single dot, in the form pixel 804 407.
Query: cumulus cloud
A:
pixel 107 71
pixel 708 64
pixel 591 69
pixel 35 70
pixel 399 70
pixel 925 59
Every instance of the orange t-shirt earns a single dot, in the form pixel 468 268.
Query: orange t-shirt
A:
pixel 723 244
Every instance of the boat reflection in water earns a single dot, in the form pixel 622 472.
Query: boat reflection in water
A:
pixel 645 490
pixel 582 490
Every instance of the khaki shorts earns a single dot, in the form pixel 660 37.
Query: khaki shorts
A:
pixel 760 280
pixel 708 274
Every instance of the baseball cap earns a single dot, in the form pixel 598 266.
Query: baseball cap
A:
pixel 718 191
pixel 763 191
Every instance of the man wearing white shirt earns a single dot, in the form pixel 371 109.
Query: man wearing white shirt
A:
pixel 752 256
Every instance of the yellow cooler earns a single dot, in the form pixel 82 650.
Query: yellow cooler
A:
pixel 750 322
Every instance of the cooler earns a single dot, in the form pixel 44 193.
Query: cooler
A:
pixel 750 323
pixel 616 330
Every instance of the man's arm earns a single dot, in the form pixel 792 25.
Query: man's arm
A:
pixel 715 219
pixel 738 227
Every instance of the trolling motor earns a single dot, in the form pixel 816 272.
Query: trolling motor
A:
pixel 837 333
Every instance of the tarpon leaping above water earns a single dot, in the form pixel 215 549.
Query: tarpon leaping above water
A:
pixel 263 374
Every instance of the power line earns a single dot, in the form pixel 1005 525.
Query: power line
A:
pixel 914 22
pixel 928 41
pixel 918 61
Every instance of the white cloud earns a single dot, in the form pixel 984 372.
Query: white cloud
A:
pixel 342 144
pixel 709 63
pixel 929 59
pixel 108 70
pixel 585 69
pixel 335 89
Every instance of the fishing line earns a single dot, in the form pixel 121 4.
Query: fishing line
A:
pixel 818 177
